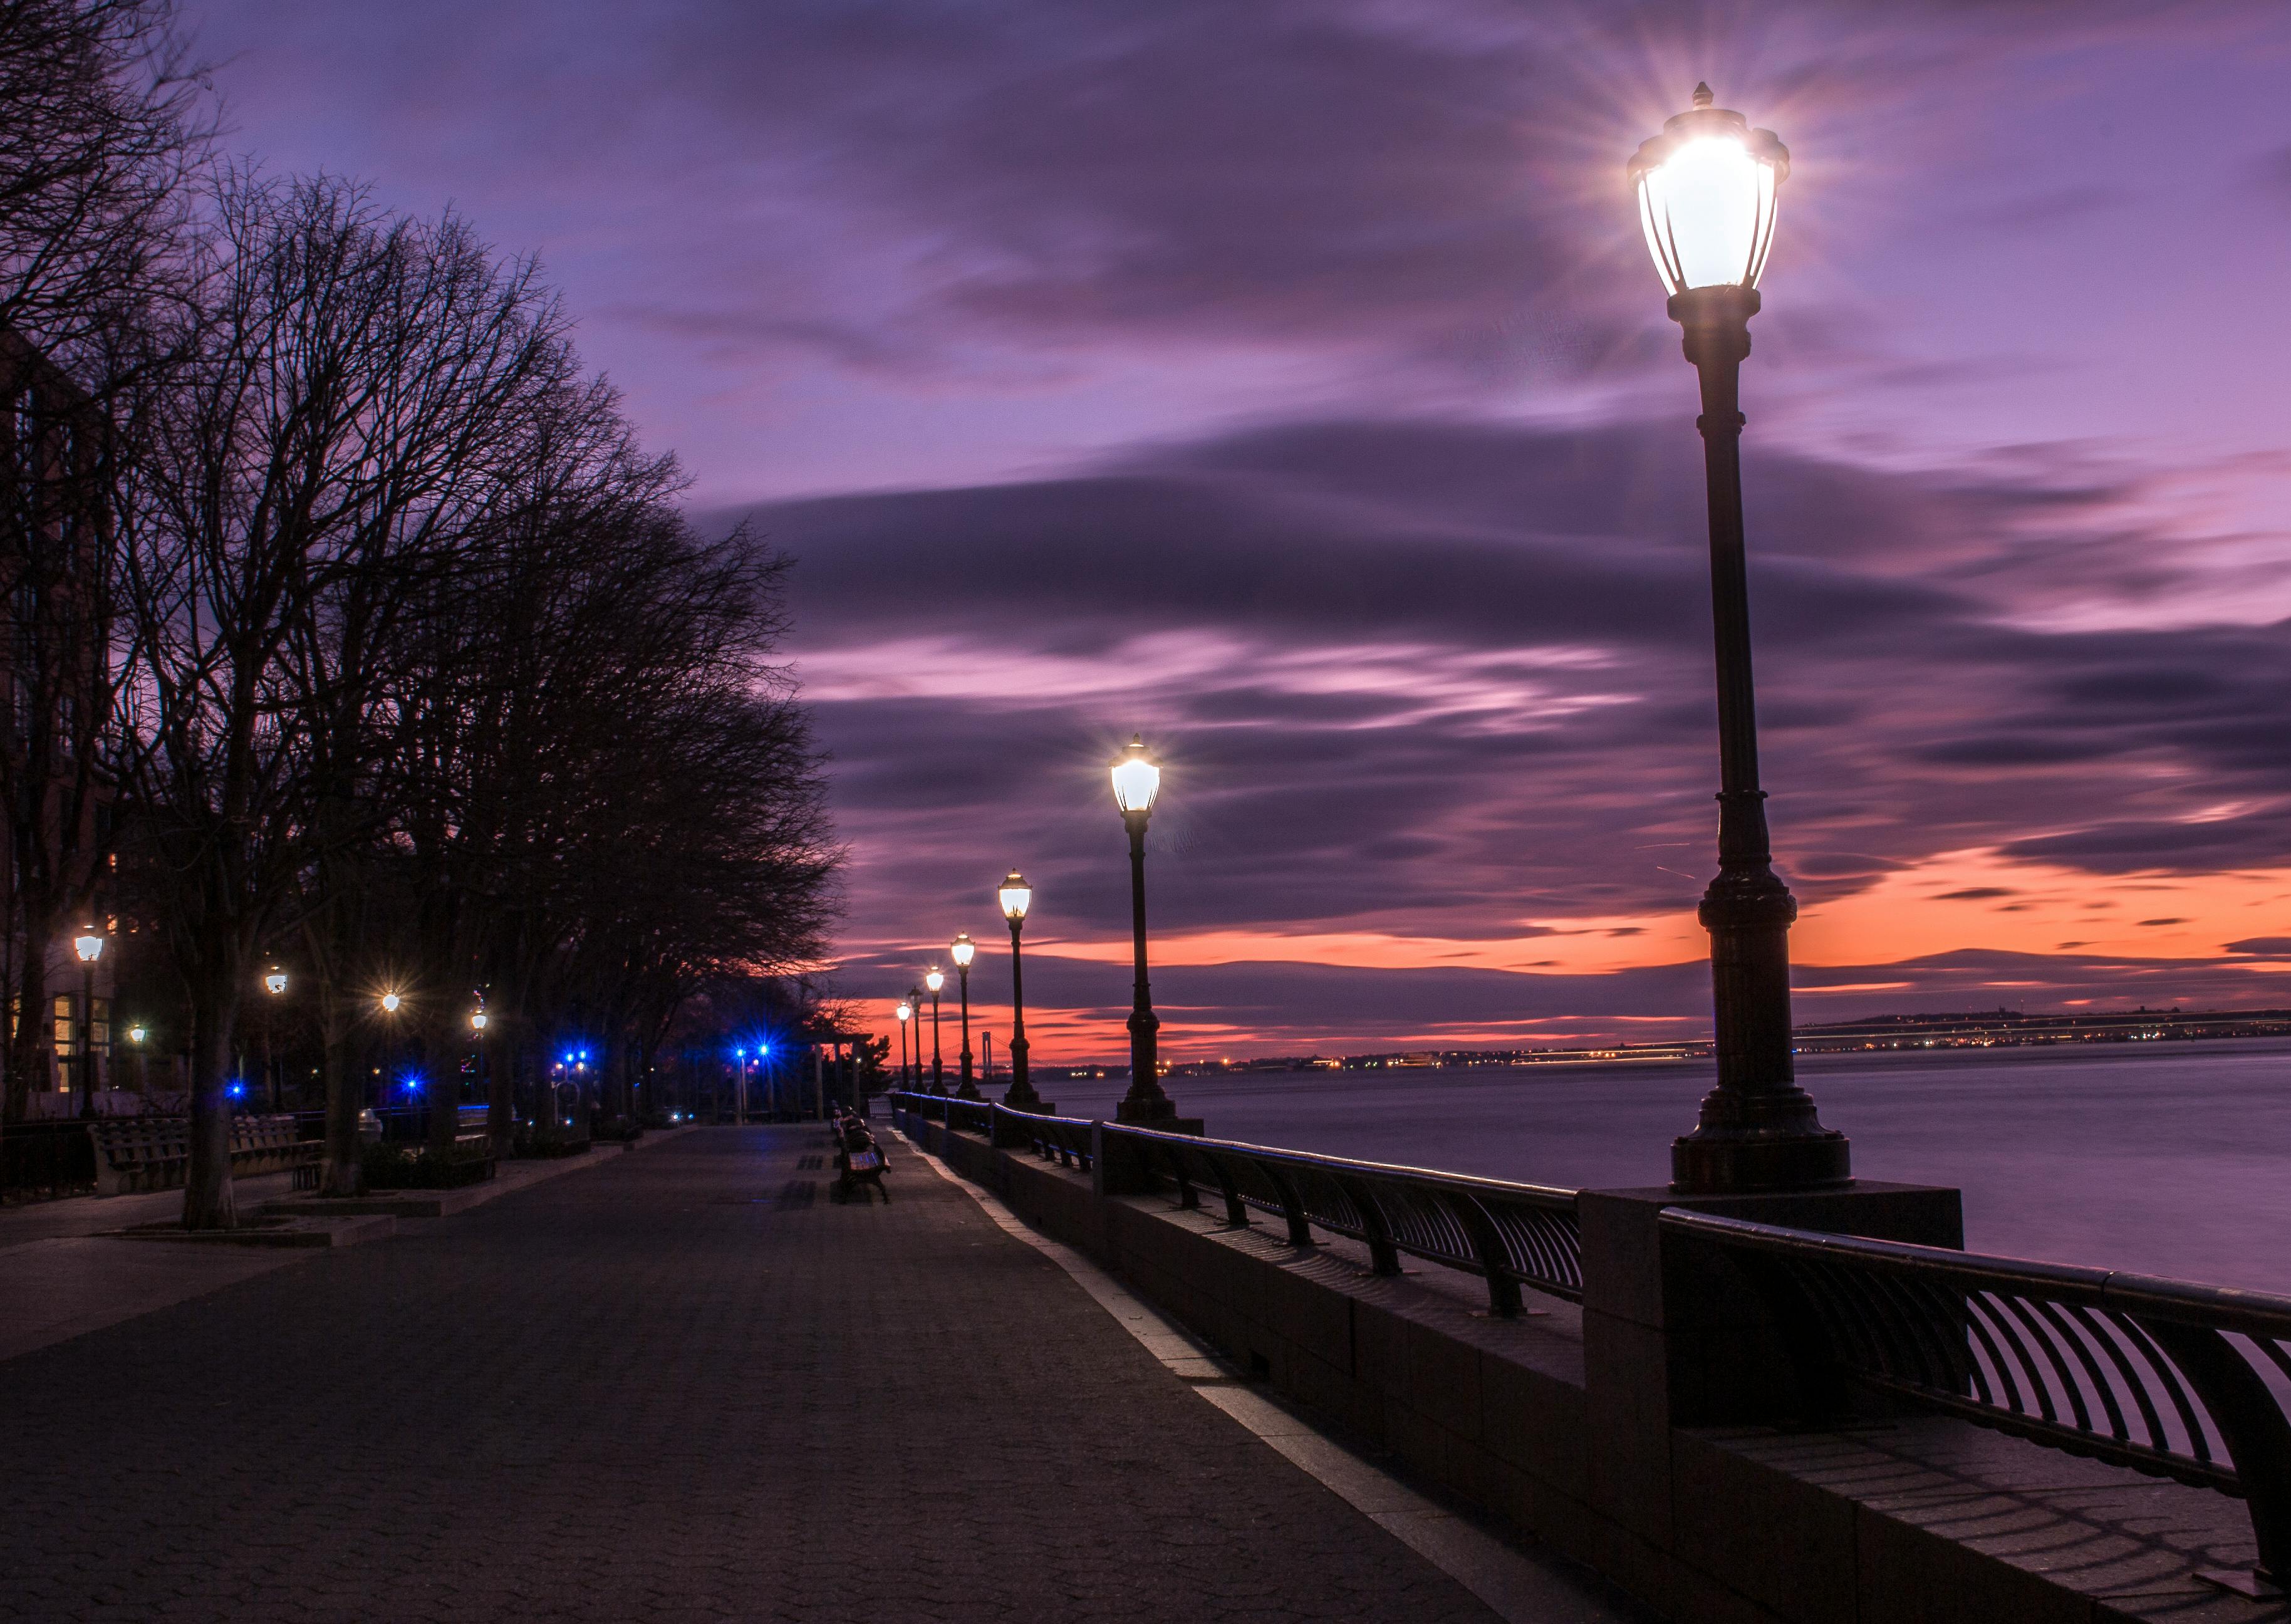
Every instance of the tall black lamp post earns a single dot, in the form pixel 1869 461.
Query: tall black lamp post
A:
pixel 1705 191
pixel 89 946
pixel 905 1012
pixel 1136 781
pixel 962 950
pixel 1017 896
pixel 274 982
pixel 935 978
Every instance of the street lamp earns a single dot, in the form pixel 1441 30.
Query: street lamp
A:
pixel 391 1003
pixel 915 1002
pixel 1707 190
pixel 89 946
pixel 1136 781
pixel 935 978
pixel 905 1012
pixel 963 950
pixel 1017 896
pixel 274 980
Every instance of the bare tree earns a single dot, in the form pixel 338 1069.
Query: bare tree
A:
pixel 100 127
pixel 327 447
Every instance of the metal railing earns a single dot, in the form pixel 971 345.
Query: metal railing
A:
pixel 2173 1379
pixel 1511 1235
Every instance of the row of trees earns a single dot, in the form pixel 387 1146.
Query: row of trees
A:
pixel 401 657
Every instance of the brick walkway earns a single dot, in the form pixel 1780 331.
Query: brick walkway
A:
pixel 681 1386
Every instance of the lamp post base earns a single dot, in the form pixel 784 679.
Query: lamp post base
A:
pixel 1749 1162
pixel 1149 1112
pixel 1021 1097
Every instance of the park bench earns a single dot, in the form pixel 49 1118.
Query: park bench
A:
pixel 154 1153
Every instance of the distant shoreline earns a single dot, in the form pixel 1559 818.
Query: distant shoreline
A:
pixel 1986 1029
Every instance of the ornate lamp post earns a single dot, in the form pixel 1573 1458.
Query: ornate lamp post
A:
pixel 915 1002
pixel 1705 191
pixel 1136 781
pixel 964 950
pixel 935 978
pixel 89 946
pixel 1017 896
pixel 274 982
pixel 391 1003
pixel 905 1012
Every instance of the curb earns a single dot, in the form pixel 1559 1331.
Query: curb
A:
pixel 348 1229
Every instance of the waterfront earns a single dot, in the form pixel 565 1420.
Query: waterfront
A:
pixel 2170 1159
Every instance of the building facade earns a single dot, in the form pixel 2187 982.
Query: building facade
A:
pixel 55 797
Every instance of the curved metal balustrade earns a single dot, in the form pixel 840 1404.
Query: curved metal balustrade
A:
pixel 2171 1378
pixel 1512 1235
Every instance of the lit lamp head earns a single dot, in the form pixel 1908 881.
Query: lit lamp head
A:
pixel 477 1020
pixel 1137 779
pixel 88 944
pixel 963 949
pixel 1016 896
pixel 934 978
pixel 275 979
pixel 138 1033
pixel 905 1011
pixel 1706 189
pixel 391 1003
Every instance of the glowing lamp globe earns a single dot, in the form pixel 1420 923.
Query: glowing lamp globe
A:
pixel 1015 895
pixel 963 949
pixel 136 1034
pixel 1706 189
pixel 477 1020
pixel 276 980
pixel 88 946
pixel 935 978
pixel 905 1012
pixel 1136 780
pixel 391 1002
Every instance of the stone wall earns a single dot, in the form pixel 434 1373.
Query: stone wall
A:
pixel 1645 1435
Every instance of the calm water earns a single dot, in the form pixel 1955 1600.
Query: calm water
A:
pixel 2170 1159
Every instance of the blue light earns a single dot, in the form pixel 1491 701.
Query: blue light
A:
pixel 741 1052
pixel 762 1050
pixel 236 1090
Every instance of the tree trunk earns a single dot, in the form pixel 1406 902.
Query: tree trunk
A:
pixel 209 1201
pixel 343 1170
pixel 501 1110
pixel 441 1087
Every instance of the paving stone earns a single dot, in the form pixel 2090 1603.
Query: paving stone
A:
pixel 657 1390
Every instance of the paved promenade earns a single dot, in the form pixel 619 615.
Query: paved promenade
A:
pixel 682 1384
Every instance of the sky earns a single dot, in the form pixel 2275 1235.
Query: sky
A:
pixel 1289 382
